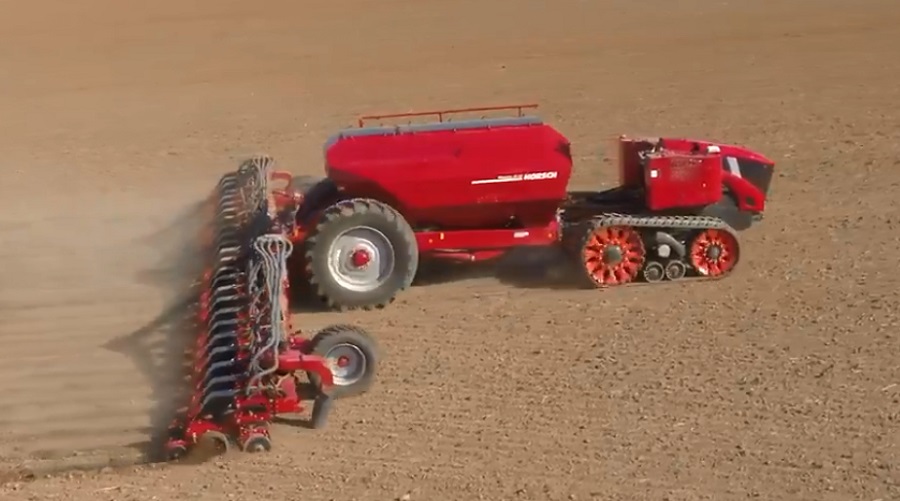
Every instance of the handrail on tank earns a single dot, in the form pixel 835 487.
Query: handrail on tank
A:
pixel 441 113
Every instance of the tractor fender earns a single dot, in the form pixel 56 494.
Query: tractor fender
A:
pixel 317 195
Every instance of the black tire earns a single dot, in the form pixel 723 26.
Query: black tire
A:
pixel 316 190
pixel 369 215
pixel 347 337
pixel 302 184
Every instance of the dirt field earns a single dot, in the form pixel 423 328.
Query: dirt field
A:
pixel 782 382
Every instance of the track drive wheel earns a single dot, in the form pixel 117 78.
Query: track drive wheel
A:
pixel 612 255
pixel 353 356
pixel 714 252
pixel 361 254
pixel 675 270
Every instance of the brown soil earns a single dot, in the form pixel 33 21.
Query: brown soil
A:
pixel 782 382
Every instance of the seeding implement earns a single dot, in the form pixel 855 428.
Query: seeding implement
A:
pixel 474 189
pixel 247 363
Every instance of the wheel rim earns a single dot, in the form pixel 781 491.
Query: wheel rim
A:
pixel 675 270
pixel 257 445
pixel 714 252
pixel 347 363
pixel 654 272
pixel 361 259
pixel 613 255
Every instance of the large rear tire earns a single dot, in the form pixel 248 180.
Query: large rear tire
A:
pixel 360 255
pixel 316 190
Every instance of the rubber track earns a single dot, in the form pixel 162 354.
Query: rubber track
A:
pixel 667 222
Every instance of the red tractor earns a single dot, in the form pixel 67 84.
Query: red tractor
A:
pixel 472 190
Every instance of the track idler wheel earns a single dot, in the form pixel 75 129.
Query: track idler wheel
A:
pixel 675 270
pixel 612 255
pixel 714 252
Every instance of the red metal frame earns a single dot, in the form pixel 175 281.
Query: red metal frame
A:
pixel 441 113
pixel 429 241
pixel 674 179
pixel 479 245
pixel 748 197
pixel 253 410
pixel 283 196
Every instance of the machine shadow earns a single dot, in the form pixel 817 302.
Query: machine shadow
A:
pixel 303 298
pixel 522 267
pixel 160 349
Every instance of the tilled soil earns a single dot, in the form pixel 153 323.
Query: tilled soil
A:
pixel 781 382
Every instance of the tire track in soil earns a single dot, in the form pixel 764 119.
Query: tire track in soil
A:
pixel 775 383
pixel 91 370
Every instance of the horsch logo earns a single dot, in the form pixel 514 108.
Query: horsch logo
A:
pixel 515 178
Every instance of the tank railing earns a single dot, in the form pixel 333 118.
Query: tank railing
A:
pixel 519 108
